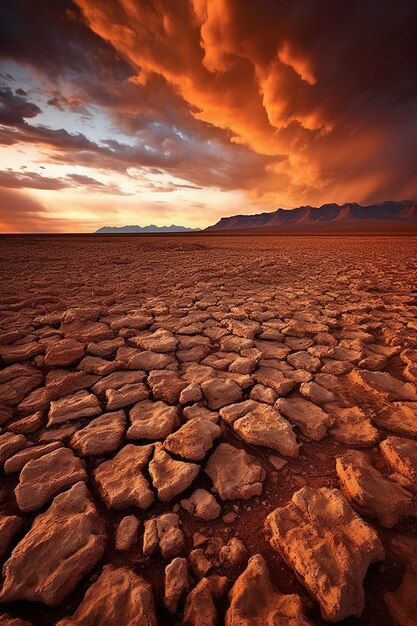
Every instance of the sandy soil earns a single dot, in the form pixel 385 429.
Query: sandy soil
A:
pixel 361 290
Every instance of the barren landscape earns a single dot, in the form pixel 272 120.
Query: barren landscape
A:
pixel 208 430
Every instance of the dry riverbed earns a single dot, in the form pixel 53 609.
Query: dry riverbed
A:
pixel 208 430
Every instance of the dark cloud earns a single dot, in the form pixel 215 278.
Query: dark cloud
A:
pixel 184 155
pixel 85 180
pixel 153 114
pixel 29 180
pixel 15 109
pixel 61 102
pixel 51 36
pixel 32 180
pixel 92 185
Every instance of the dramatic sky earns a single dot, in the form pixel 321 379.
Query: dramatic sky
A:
pixel 120 112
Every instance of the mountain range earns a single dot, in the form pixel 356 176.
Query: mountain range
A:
pixel 145 229
pixel 328 216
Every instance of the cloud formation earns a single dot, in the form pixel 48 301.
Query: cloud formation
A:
pixel 290 103
pixel 316 84
pixel 183 154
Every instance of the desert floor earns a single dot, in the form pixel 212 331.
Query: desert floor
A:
pixel 287 365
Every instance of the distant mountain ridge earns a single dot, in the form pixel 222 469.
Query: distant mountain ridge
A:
pixel 334 215
pixel 145 229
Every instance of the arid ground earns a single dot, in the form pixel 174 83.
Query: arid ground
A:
pixel 189 402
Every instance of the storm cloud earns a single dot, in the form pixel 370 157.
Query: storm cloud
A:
pixel 290 103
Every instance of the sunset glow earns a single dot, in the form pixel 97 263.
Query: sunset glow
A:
pixel 118 112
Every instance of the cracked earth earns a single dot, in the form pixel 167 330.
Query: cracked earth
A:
pixel 208 430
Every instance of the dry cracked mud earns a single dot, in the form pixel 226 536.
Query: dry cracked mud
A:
pixel 208 430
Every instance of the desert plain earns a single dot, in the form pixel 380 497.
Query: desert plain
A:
pixel 208 430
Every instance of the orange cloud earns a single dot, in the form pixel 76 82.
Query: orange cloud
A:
pixel 300 65
pixel 281 79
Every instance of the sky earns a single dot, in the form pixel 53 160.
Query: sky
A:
pixel 117 112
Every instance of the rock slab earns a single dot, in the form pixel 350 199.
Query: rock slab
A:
pixel 120 480
pixel 254 601
pixel 193 440
pixel 119 596
pixel 369 492
pixel 235 473
pixel 42 479
pixel 176 583
pixel 169 476
pixel 63 545
pixel 328 546
pixel 102 435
